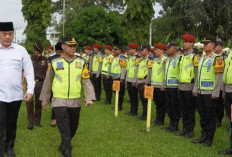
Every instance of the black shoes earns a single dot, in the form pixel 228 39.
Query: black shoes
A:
pixel 65 152
pixel 189 134
pixel 131 114
pixel 30 126
pixel 202 139
pixel 225 152
pixel 107 102
pixel 167 128
pixel 208 143
pixel 158 122
pixel 142 118
pixel 180 133
pixel 10 153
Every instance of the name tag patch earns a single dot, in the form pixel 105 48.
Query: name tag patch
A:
pixel 206 84
pixel 173 81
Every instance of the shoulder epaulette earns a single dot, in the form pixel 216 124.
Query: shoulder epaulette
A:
pixel 56 56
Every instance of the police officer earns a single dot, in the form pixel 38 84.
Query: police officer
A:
pixel 96 65
pixel 130 78
pixel 69 73
pixel 188 68
pixel 141 73
pixel 219 101
pixel 106 79
pixel 171 86
pixel 155 78
pixel 207 88
pixel 13 60
pixel 40 68
pixel 227 80
pixel 118 72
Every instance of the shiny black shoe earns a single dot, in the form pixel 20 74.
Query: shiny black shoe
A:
pixel 226 152
pixel 173 129
pixel 189 134
pixel 202 139
pixel 180 133
pixel 142 118
pixel 30 126
pixel 158 122
pixel 208 143
pixel 167 128
pixel 10 153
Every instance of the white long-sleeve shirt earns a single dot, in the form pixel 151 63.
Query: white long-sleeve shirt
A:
pixel 13 61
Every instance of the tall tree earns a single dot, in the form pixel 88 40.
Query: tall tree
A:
pixel 137 19
pixel 38 16
pixel 94 24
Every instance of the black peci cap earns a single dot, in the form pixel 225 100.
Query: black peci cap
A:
pixel 172 43
pixel 6 26
pixel 38 46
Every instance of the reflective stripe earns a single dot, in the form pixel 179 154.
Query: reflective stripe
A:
pixel 58 78
pixel 78 77
pixel 156 83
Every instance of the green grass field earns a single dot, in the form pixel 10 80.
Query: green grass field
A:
pixel 100 134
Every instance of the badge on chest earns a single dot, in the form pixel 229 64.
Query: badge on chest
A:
pixel 59 66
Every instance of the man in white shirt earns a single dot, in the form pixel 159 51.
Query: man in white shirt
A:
pixel 14 59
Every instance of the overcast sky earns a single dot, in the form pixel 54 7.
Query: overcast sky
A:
pixel 10 10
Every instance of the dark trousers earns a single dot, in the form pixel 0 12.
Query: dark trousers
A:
pixel 67 121
pixel 172 105
pixel 208 116
pixel 34 115
pixel 97 86
pixel 219 108
pixel 107 84
pixel 8 124
pixel 187 110
pixel 53 115
pixel 228 104
pixel 121 94
pixel 143 100
pixel 159 99
pixel 133 94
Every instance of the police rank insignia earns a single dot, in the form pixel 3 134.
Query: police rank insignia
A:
pixel 59 66
pixel 78 65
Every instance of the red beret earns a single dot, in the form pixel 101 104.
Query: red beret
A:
pixel 109 47
pixel 133 45
pixel 87 47
pixel 188 38
pixel 49 47
pixel 152 50
pixel 98 46
pixel 160 46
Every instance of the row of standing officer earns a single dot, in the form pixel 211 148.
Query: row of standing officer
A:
pixel 176 78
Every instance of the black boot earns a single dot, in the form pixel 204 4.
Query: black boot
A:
pixel 181 133
pixel 174 127
pixel 209 140
pixel 225 152
pixel 189 134
pixel 201 139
